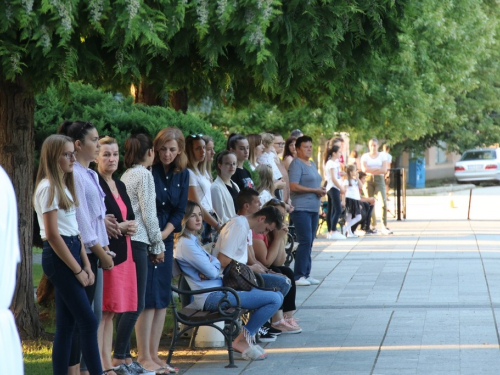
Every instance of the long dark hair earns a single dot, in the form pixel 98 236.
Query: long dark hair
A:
pixel 76 130
pixel 136 148
pixel 287 151
pixel 329 152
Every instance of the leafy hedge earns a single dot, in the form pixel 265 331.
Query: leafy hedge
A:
pixel 112 115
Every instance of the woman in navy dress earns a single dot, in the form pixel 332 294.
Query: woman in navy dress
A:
pixel 171 184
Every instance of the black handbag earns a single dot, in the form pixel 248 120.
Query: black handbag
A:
pixel 240 277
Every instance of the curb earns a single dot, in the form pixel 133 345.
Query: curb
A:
pixel 440 189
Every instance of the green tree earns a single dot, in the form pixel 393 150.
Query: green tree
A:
pixel 232 50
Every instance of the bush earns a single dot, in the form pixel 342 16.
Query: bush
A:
pixel 112 115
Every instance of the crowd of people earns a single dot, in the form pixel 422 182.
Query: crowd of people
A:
pixel 109 243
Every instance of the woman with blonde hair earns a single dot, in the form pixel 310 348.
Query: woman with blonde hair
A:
pixel 64 259
pixel 199 184
pixel 255 149
pixel 266 184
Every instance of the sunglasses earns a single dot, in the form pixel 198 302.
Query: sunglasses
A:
pixel 196 135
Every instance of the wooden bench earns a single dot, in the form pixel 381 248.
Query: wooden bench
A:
pixel 193 319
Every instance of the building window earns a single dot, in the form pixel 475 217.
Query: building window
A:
pixel 441 156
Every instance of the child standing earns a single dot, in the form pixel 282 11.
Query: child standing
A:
pixel 352 200
pixel 64 259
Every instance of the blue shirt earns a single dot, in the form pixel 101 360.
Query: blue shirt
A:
pixel 171 195
pixel 308 176
pixel 199 267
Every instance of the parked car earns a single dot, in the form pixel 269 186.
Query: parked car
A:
pixel 479 165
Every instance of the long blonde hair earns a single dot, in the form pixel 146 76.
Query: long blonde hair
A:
pixel 266 178
pixel 50 169
pixel 168 134
pixel 253 141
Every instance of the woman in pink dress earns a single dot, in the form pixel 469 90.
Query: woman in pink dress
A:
pixel 119 284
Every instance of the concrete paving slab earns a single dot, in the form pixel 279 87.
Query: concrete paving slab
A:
pixel 425 300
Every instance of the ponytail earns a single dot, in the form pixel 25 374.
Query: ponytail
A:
pixel 136 148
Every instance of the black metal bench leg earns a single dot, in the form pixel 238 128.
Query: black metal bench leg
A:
pixel 230 350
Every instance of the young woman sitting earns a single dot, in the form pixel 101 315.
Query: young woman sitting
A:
pixel 202 271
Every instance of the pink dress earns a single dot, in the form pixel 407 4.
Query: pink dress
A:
pixel 120 283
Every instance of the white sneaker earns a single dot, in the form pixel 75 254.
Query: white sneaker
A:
pixel 312 280
pixel 302 282
pixel 360 233
pixel 351 235
pixel 385 231
pixel 337 236
pixel 328 236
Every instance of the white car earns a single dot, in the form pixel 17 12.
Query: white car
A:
pixel 479 165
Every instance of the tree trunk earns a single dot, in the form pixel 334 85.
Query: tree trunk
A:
pixel 179 99
pixel 147 94
pixel 17 143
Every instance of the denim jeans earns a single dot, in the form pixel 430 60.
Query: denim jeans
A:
pixel 263 303
pixel 125 322
pixel 72 309
pixel 306 223
pixel 334 209
pixel 375 186
pixel 280 282
pixel 91 292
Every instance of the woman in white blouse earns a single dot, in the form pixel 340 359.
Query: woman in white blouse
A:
pixel 199 185
pixel 224 191
pixel 374 164
pixel 139 155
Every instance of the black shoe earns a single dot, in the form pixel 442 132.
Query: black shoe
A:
pixel 271 329
pixel 265 336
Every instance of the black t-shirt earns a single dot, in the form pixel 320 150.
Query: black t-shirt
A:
pixel 242 178
pixel 234 194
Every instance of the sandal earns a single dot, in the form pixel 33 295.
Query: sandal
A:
pixel 252 353
pixel 170 369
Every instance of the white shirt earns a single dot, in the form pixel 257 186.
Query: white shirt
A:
pixel 267 158
pixel 233 240
pixel 202 186
pixel 264 197
pixel 11 356
pixel 373 162
pixel 332 165
pixel 388 157
pixel 66 220
pixel 352 191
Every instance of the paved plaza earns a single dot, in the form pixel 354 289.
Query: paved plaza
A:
pixel 425 300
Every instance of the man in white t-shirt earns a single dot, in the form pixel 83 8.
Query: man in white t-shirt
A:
pixel 11 357
pixel 235 241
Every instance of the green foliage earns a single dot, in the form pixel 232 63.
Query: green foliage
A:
pixel 112 115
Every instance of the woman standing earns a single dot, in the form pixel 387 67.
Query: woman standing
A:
pixel 119 284
pixel 374 165
pixel 256 148
pixel 334 188
pixel 290 153
pixel 199 185
pixel 306 193
pixel 139 155
pixel 90 217
pixel 239 145
pixel 209 157
pixel 171 184
pixel 224 191
pixel 64 259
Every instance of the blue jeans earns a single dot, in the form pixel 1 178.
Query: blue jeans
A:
pixel 281 283
pixel 125 322
pixel 263 303
pixel 72 309
pixel 334 209
pixel 306 223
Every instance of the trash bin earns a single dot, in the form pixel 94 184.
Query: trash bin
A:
pixel 209 337
pixel 416 178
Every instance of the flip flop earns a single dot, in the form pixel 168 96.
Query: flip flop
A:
pixel 252 353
